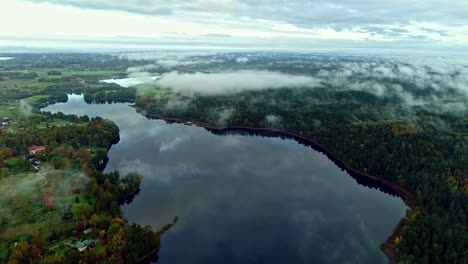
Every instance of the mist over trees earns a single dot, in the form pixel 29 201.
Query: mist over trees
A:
pixel 404 121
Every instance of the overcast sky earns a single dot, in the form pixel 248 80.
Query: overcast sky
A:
pixel 407 25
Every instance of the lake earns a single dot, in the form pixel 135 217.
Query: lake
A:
pixel 241 198
pixel 127 82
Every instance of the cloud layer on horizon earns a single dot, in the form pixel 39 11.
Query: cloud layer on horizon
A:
pixel 340 13
pixel 297 23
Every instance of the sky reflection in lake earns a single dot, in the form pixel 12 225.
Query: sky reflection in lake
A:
pixel 243 199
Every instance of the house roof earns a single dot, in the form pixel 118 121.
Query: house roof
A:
pixel 32 148
pixel 49 202
pixel 82 244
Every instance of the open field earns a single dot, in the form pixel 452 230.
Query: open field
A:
pixel 9 109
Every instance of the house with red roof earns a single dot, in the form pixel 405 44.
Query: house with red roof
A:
pixel 34 149
pixel 49 202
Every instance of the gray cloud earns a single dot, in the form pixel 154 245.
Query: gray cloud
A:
pixel 273 24
pixel 338 13
pixel 218 35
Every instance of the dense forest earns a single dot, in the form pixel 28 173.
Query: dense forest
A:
pixel 360 128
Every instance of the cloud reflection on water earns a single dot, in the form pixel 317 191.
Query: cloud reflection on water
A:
pixel 244 199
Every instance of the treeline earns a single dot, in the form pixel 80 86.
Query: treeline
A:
pixel 18 75
pixel 124 95
pixel 75 62
pixel 98 132
pixel 65 146
pixel 380 136
pixel 52 99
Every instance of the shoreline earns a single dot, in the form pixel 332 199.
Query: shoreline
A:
pixel 145 258
pixel 389 247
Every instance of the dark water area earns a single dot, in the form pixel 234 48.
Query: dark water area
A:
pixel 243 198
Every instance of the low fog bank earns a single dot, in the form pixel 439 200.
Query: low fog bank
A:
pixel 23 196
pixel 418 81
pixel 232 82
pixel 438 84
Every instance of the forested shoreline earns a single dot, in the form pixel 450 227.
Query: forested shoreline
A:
pixel 71 160
pixel 416 156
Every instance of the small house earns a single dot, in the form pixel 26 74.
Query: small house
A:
pixel 82 246
pixel 49 202
pixel 39 251
pixel 35 149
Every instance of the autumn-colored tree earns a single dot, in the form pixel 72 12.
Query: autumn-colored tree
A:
pixel 118 242
pixel 94 220
pixel 84 210
pixel 20 253
pixel 53 259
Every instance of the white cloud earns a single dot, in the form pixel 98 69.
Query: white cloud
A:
pixel 232 82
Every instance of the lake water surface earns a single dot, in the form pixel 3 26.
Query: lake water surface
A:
pixel 243 199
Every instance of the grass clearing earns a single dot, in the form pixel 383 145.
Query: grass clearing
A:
pixel 9 109
pixel 156 92
pixel 35 98
pixel 24 196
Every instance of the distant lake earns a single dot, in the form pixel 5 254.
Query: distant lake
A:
pixel 243 199
pixel 127 82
